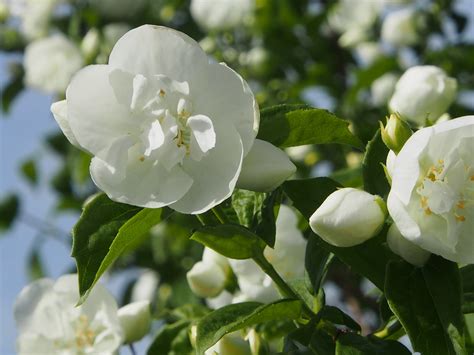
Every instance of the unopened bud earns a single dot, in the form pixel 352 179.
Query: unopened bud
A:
pixel 206 279
pixel 135 319
pixel 395 133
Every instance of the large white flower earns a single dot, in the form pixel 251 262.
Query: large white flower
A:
pixel 166 126
pixel 432 195
pixel 48 321
pixel 221 14
pixel 423 92
pixel 50 63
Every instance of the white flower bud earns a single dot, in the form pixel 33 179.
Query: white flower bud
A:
pixel 264 168
pixel 395 133
pixel 90 44
pixel 423 92
pixel 206 279
pixel 135 319
pixel 409 251
pixel 210 256
pixel 400 28
pixel 348 217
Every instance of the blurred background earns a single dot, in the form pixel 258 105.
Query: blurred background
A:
pixel 344 56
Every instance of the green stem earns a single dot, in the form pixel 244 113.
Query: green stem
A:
pixel 390 330
pixel 201 219
pixel 284 288
pixel 220 214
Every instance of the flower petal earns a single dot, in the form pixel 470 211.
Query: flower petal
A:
pixel 59 110
pixel 203 137
pixel 215 175
pixel 158 50
pixel 95 116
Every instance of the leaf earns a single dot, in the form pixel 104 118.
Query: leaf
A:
pixel 294 125
pixel 105 230
pixel 336 316
pixel 316 261
pixel 265 219
pixel 241 315
pixel 9 207
pixel 246 204
pixel 163 342
pixel 375 180
pixel 11 89
pixel 29 171
pixel 468 304
pixel 427 302
pixel 232 241
pixel 368 259
pixel 354 344
pixel 467 276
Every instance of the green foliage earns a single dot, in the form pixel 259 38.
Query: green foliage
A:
pixel 28 168
pixel 294 125
pixel 12 88
pixel 336 316
pixel 427 302
pixel 232 241
pixel 375 180
pixel 167 339
pixel 9 208
pixel 354 344
pixel 242 315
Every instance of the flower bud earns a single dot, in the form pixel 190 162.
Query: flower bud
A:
pixel 206 279
pixel 264 168
pixel 90 44
pixel 135 319
pixel 409 251
pixel 395 133
pixel 348 217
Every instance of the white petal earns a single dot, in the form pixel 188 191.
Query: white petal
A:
pixel 135 319
pixel 232 101
pixel 264 168
pixel 95 117
pixel 406 249
pixel 59 110
pixel 214 176
pixel 203 135
pixel 154 138
pixel 152 50
pixel 405 223
pixel 145 184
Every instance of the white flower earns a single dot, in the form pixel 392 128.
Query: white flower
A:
pixel 265 168
pixel 368 52
pixel 50 63
pixel 135 319
pixel 399 28
pixel 222 14
pixel 118 9
pixel 412 253
pixel 145 287
pixel 347 16
pixel 206 279
pixel 423 92
pixel 432 196
pixel 348 217
pixel 382 89
pixel 48 321
pixel 290 245
pixel 166 127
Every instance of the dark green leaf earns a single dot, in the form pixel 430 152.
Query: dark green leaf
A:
pixel 316 261
pixel 11 90
pixel 428 304
pixel 336 316
pixel 241 315
pixel 9 207
pixel 163 342
pixel 265 219
pixel 467 276
pixel 468 304
pixel 104 231
pixel 354 344
pixel 28 168
pixel 294 125
pixel 375 180
pixel 246 205
pixel 232 241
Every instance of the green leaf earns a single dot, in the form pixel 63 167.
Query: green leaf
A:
pixel 29 171
pixel 241 315
pixel 265 219
pixel 336 316
pixel 232 241
pixel 368 259
pixel 246 205
pixel 316 261
pixel 11 89
pixel 104 231
pixel 163 342
pixel 427 302
pixel 375 180
pixel 467 276
pixel 468 304
pixel 9 207
pixel 294 125
pixel 354 344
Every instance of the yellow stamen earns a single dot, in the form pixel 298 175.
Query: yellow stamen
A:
pixel 460 218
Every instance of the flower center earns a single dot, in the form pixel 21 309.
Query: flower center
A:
pixel 170 130
pixel 85 336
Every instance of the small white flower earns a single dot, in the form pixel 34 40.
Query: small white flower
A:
pixel 383 88
pixel 135 319
pixel 348 217
pixel 290 245
pixel 432 196
pixel 399 28
pixel 412 253
pixel 423 92
pixel 166 127
pixel 222 14
pixel 48 321
pixel 50 63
